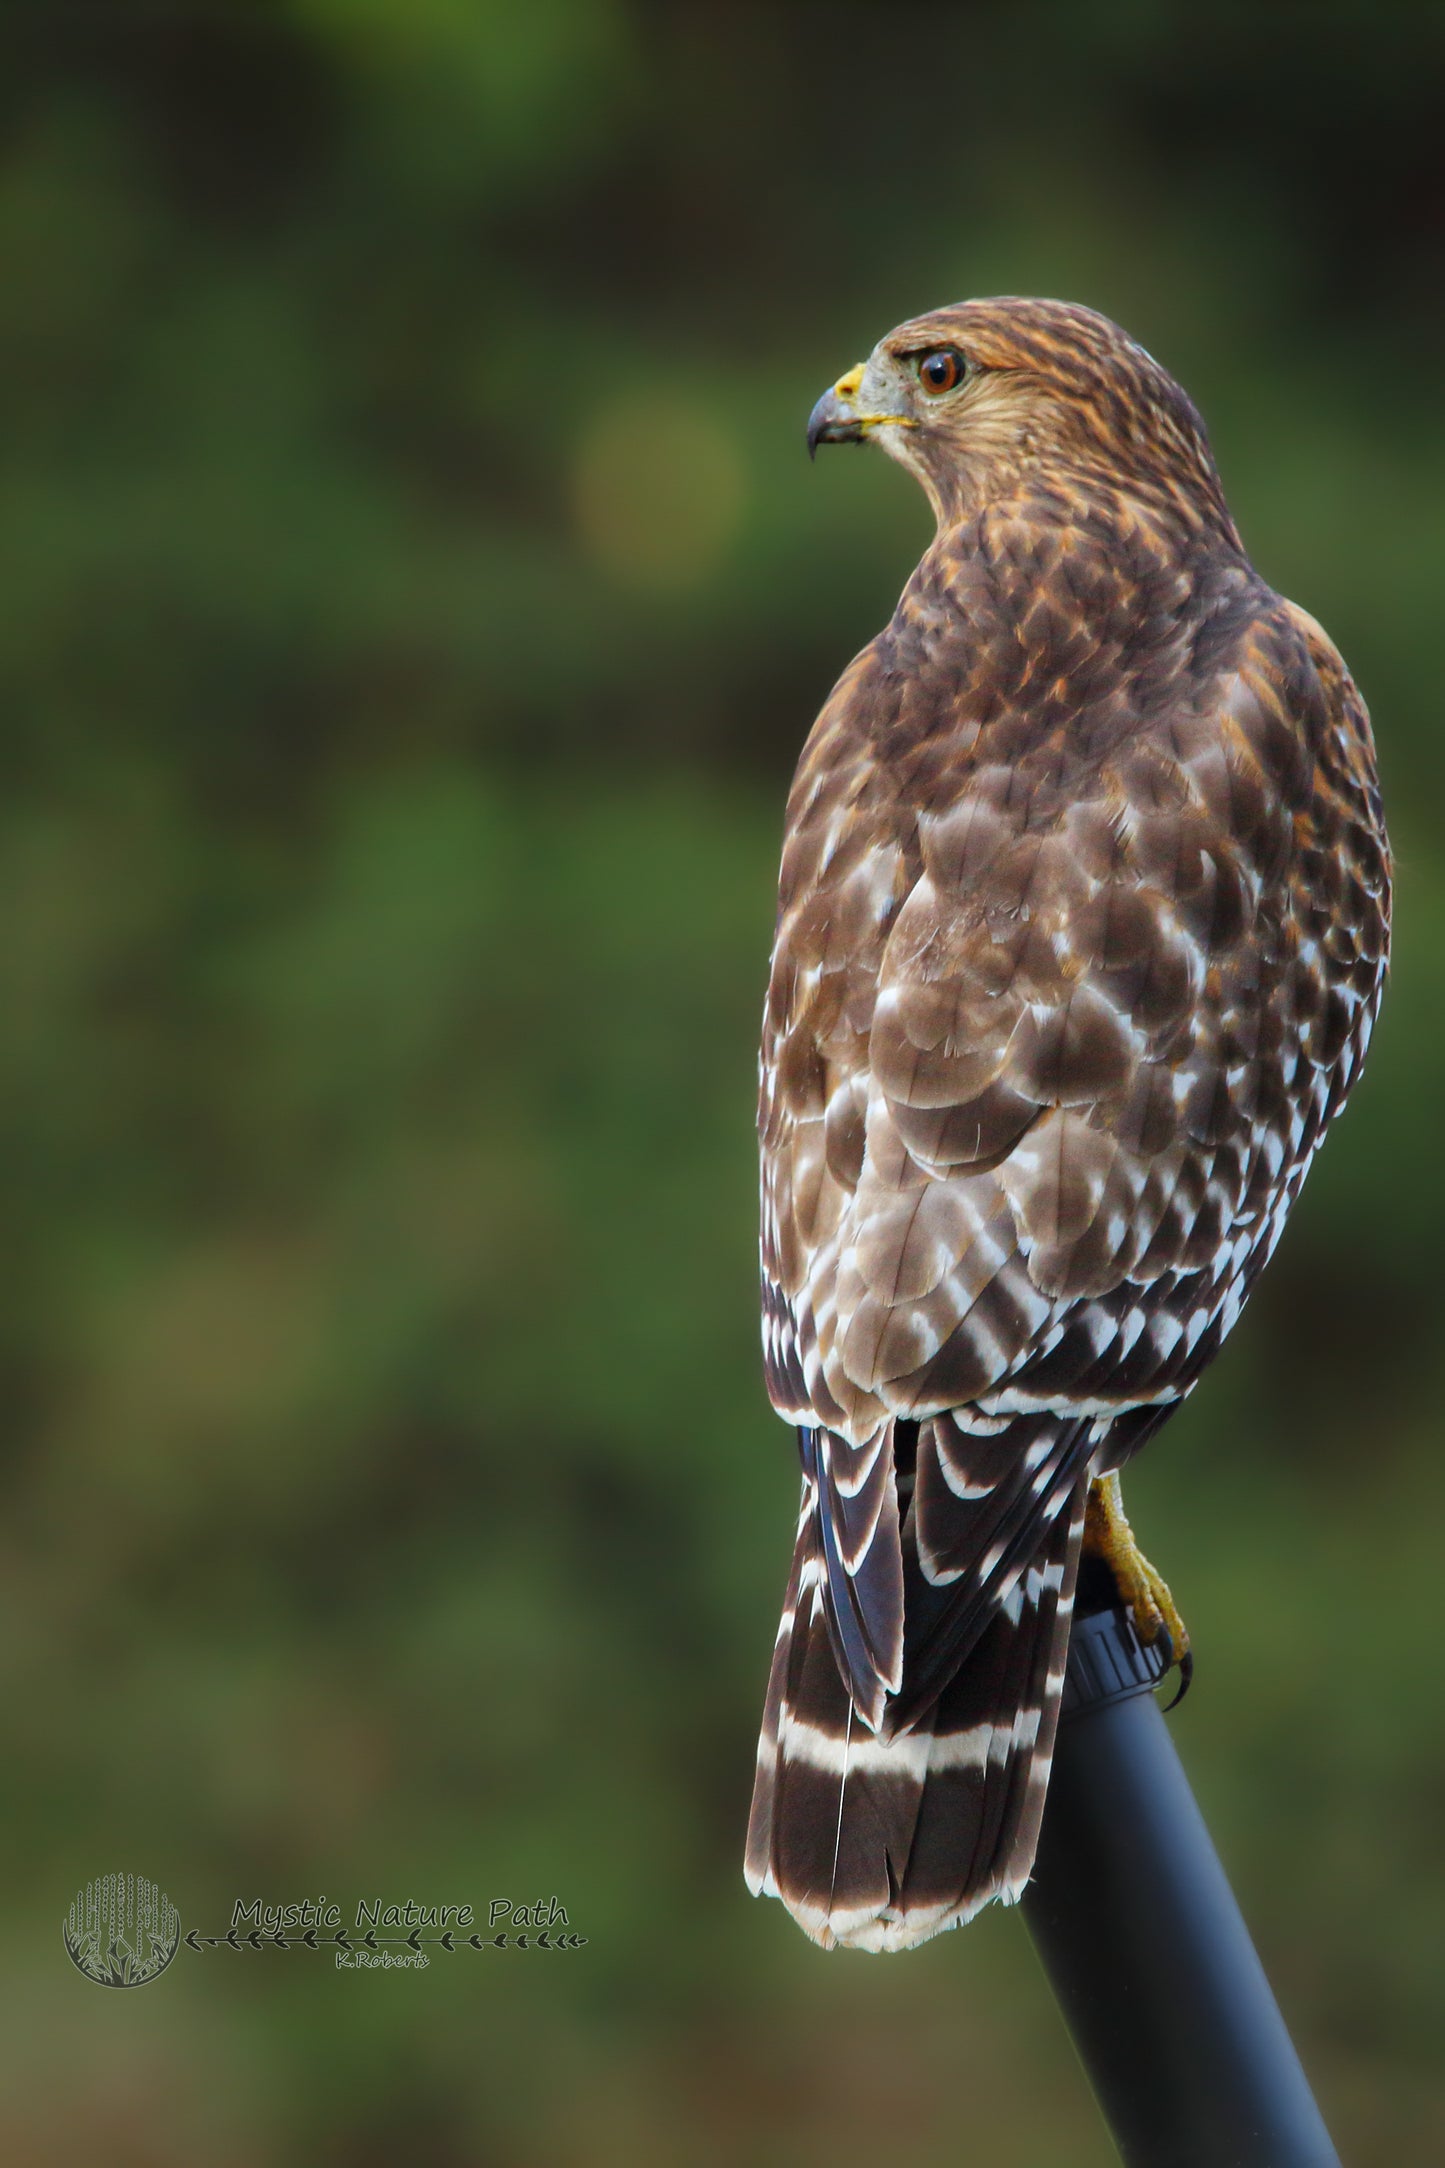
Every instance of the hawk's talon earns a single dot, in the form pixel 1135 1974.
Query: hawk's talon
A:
pixel 1142 1588
pixel 1186 1680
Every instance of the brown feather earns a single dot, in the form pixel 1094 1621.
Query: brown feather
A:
pixel 1083 925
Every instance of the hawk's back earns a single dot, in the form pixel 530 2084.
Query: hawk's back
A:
pixel 1082 929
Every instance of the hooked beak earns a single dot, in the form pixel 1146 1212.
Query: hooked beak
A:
pixel 836 419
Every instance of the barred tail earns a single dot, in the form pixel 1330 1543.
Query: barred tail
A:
pixel 876 1844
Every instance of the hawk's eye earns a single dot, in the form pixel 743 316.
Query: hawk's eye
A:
pixel 942 369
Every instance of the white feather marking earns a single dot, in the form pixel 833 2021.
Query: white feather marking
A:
pixel 819 1749
pixel 961 1749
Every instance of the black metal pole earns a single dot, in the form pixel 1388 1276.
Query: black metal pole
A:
pixel 1144 1945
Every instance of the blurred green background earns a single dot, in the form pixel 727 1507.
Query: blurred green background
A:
pixel 413 597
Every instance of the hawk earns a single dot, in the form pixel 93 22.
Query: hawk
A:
pixel 1082 928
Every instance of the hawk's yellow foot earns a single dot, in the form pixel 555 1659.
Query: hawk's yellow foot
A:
pixel 1107 1535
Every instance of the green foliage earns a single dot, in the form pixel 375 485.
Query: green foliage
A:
pixel 412 599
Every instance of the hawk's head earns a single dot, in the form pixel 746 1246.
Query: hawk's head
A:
pixel 969 397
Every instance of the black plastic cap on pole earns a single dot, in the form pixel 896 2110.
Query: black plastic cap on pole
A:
pixel 1143 1943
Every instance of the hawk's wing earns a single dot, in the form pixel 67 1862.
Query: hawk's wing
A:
pixel 1060 1006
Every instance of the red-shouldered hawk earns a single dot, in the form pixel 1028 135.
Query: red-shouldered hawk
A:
pixel 1082 930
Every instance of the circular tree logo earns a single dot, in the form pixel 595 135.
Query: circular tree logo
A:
pixel 121 1930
